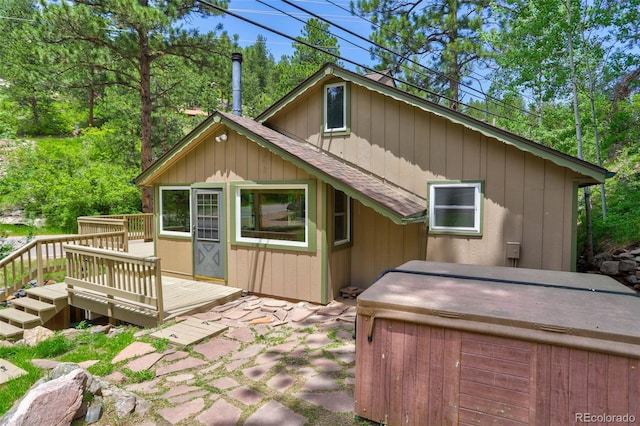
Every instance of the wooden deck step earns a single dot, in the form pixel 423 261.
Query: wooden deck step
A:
pixel 8 331
pixel 56 294
pixel 34 306
pixel 20 318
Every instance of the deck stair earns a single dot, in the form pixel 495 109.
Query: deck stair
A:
pixel 40 306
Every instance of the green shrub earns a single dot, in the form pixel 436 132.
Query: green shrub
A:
pixel 57 179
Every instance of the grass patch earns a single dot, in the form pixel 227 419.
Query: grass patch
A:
pixel 77 348
pixel 27 230
pixel 139 376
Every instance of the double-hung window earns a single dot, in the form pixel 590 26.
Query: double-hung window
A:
pixel 455 208
pixel 341 218
pixel 175 210
pixel 274 214
pixel 335 108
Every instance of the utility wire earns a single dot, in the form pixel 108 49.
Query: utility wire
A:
pixel 408 59
pixel 439 73
pixel 293 39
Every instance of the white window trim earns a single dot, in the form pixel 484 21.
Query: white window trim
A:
pixel 269 241
pixel 344 108
pixel 347 215
pixel 477 208
pixel 173 188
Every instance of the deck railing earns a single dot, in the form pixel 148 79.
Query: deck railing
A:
pixel 133 284
pixel 47 255
pixel 137 226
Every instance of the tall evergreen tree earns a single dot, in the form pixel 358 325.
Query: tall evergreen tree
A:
pixel 444 35
pixel 28 80
pixel 317 46
pixel 133 37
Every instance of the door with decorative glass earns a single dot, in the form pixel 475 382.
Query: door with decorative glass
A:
pixel 208 234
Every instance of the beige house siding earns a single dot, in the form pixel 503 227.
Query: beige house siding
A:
pixel 527 199
pixel 281 273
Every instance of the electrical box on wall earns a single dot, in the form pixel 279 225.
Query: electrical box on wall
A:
pixel 513 250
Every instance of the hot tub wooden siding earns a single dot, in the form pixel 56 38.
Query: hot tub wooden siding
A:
pixel 412 374
pixel 445 344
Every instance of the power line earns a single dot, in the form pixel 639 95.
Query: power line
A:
pixel 422 66
pixel 293 39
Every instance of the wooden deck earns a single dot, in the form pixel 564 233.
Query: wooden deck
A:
pixel 182 297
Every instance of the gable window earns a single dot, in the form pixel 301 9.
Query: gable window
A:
pixel 274 214
pixel 175 210
pixel 341 218
pixel 335 108
pixel 455 207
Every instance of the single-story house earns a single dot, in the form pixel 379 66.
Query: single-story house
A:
pixel 347 176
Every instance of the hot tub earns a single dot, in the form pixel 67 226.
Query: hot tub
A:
pixel 446 344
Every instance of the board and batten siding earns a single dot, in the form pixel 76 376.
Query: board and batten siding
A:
pixel 277 272
pixel 527 199
pixel 415 374
pixel 378 244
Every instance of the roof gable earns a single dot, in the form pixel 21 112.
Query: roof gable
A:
pixel 395 203
pixel 592 173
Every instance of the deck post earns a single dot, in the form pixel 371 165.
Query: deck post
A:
pixel 40 266
pixel 110 283
pixel 160 301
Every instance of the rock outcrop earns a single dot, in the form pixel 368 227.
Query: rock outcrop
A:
pixel 68 393
pixel 623 265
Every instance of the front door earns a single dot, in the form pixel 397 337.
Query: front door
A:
pixel 208 233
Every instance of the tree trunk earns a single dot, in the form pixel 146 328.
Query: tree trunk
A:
pixel 145 118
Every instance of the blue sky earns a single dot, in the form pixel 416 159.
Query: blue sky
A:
pixel 277 45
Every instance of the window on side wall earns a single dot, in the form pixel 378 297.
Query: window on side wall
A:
pixel 335 108
pixel 455 208
pixel 272 214
pixel 175 213
pixel 341 218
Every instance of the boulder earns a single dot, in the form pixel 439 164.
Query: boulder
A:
pixel 35 335
pixel 627 265
pixel 610 267
pixel 54 402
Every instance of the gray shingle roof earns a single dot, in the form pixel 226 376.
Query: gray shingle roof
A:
pixel 349 179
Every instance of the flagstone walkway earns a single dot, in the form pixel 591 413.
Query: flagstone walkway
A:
pixel 279 363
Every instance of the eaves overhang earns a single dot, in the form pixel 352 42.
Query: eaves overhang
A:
pixel 395 203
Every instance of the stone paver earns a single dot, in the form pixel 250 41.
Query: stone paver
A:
pixel 246 395
pixel 221 413
pixel 253 372
pixel 241 334
pixel 318 340
pixel 337 402
pixel 325 365
pixel 321 382
pixel 179 390
pixel 216 348
pixel 275 414
pixel 257 372
pixel 183 364
pixel 145 362
pixel 181 412
pixel 224 383
pixel 134 350
pixel 281 382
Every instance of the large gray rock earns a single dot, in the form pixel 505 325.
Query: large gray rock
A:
pixel 35 335
pixel 54 402
pixel 610 267
pixel 627 265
